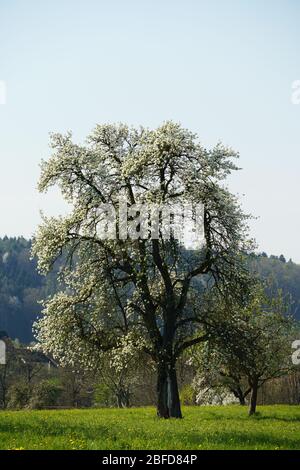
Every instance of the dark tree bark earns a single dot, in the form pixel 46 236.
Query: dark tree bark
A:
pixel 238 393
pixel 123 398
pixel 242 400
pixel 162 391
pixel 168 401
pixel 173 394
pixel 253 397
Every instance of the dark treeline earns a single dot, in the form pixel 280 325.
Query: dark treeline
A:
pixel 21 287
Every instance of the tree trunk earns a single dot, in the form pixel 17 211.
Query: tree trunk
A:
pixel 122 398
pixel 253 398
pixel 119 400
pixel 173 394
pixel 168 401
pixel 238 393
pixel 162 391
pixel 242 400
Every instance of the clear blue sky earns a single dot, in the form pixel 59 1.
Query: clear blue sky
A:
pixel 223 68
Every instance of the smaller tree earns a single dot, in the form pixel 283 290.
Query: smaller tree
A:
pixel 78 387
pixel 19 396
pixel 248 345
pixel 118 374
pixel 46 394
pixel 216 376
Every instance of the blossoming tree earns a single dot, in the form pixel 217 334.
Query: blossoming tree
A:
pixel 248 345
pixel 127 294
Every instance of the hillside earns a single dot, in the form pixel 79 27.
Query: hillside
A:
pixel 283 274
pixel 21 287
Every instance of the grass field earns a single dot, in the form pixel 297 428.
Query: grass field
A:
pixel 213 427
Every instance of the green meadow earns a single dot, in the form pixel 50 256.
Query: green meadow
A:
pixel 212 427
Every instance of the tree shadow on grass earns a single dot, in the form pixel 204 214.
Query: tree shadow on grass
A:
pixel 290 419
pixel 242 440
pixel 259 415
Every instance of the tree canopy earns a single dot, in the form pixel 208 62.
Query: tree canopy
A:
pixel 137 293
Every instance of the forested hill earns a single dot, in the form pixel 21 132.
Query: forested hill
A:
pixel 21 286
pixel 283 274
